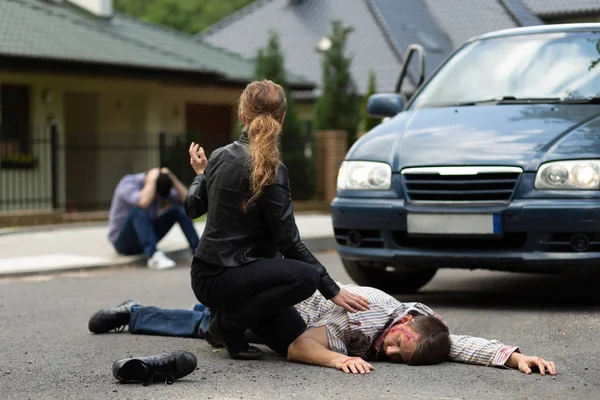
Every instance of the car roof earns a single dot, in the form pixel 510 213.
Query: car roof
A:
pixel 531 30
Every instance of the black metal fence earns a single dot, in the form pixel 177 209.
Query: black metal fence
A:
pixel 80 173
pixel 28 169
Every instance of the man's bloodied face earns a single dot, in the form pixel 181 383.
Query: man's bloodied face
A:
pixel 400 341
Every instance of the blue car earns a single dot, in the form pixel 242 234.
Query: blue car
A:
pixel 492 163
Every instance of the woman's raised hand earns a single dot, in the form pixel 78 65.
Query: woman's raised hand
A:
pixel 198 160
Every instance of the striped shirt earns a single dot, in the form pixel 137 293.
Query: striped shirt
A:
pixel 354 333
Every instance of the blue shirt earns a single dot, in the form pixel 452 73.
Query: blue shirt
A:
pixel 127 197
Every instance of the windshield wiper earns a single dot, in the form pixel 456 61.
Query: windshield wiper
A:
pixel 583 100
pixel 510 100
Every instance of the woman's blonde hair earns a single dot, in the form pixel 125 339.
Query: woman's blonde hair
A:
pixel 263 104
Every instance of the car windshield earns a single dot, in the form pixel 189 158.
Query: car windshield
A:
pixel 561 66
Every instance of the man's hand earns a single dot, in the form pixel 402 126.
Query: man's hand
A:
pixel 148 192
pixel 179 187
pixel 152 175
pixel 166 171
pixel 525 363
pixel 350 301
pixel 312 347
pixel 198 160
pixel 356 365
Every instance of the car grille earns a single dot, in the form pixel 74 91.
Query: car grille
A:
pixel 461 184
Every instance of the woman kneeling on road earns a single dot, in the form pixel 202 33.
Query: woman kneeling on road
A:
pixel 238 269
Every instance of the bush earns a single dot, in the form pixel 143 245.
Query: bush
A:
pixel 369 122
pixel 270 65
pixel 338 107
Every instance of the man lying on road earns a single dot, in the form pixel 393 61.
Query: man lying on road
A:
pixel 390 330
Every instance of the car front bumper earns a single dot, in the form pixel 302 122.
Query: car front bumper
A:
pixel 535 234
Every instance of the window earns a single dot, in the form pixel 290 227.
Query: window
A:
pixel 14 120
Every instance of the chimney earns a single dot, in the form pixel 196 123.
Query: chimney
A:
pixel 101 8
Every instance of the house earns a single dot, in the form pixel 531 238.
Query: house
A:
pixel 88 95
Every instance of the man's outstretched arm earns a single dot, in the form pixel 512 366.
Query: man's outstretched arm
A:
pixel 525 364
pixel 480 351
pixel 312 347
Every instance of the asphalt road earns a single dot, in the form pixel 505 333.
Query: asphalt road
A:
pixel 47 352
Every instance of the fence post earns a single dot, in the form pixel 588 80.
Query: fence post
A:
pixel 162 144
pixel 54 161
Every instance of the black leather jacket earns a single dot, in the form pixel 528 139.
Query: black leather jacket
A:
pixel 237 232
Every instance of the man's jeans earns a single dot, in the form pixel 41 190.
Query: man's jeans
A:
pixel 140 234
pixel 164 322
pixel 194 323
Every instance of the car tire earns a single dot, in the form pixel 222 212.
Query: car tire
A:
pixel 400 281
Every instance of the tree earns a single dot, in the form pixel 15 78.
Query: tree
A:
pixel 338 107
pixel 189 16
pixel 369 122
pixel 270 65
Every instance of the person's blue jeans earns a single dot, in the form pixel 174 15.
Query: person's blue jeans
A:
pixel 140 234
pixel 165 322
pixel 273 332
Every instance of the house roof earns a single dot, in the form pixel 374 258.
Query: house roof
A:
pixel 383 31
pixel 521 13
pixel 37 29
pixel 463 19
pixel 301 24
pixel 555 8
pixel 409 22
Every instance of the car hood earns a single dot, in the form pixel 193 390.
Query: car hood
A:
pixel 513 135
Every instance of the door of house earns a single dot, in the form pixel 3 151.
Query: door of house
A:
pixel 81 152
pixel 209 125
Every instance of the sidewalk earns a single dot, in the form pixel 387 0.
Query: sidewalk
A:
pixel 74 247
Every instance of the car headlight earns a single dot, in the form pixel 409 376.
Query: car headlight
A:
pixel 364 175
pixel 569 175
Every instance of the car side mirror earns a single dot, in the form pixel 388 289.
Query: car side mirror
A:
pixel 382 105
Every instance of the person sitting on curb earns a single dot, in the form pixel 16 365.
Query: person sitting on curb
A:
pixel 135 225
pixel 390 330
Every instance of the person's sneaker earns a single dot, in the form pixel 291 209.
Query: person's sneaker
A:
pixel 164 367
pixel 109 319
pixel 160 261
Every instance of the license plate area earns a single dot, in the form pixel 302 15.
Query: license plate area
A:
pixel 453 224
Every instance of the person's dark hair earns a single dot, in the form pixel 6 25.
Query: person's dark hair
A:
pixel 263 104
pixel 433 345
pixel 163 184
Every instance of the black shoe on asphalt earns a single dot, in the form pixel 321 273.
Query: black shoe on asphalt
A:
pixel 251 353
pixel 163 367
pixel 109 319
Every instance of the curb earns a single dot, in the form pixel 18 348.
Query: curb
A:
pixel 47 228
pixel 316 245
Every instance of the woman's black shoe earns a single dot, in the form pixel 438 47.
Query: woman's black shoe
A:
pixel 215 338
pixel 164 367
pixel 253 353
pixel 213 334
